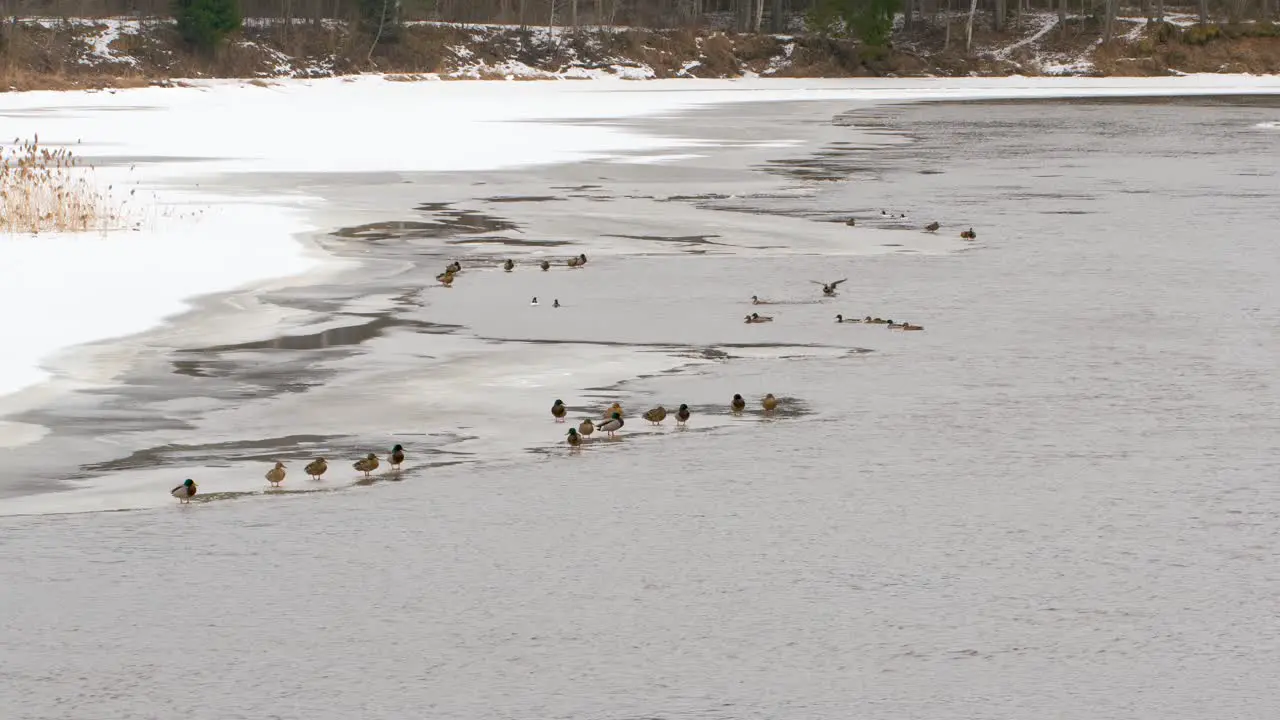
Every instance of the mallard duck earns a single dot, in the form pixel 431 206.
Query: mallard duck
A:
pixel 544 265
pixel 573 262
pixel 614 408
pixel 757 301
pixel 738 403
pixel 185 491
pixel 556 304
pixel 829 289
pixel 367 464
pixel 769 402
pixel 453 267
pixel 558 410
pixel 275 475
pixel 574 438
pixel 582 259
pixel 586 428
pixel 316 468
pixel 851 222
pixel 445 278
pixel 397 456
pixel 682 415
pixel 841 319
pixel 875 321
pixel 509 265
pixel 969 234
pixel 656 415
pixel 758 318
pixel 613 424
pixel 933 226
pixel 906 326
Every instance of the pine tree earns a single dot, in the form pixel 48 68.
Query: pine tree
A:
pixel 204 23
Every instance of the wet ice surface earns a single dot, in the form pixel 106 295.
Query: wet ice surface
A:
pixel 1058 500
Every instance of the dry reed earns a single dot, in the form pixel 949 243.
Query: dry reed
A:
pixel 44 190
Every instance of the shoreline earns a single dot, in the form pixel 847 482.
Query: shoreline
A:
pixel 653 145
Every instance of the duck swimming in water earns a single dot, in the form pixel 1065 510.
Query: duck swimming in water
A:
pixel 275 475
pixel 829 289
pixel 316 468
pixel 757 301
pixel 969 234
pixel 185 491
pixel 738 403
pixel 933 226
pixel 509 265
pixel 758 318
pixel 841 319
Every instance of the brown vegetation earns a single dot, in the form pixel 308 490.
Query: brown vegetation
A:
pixel 43 190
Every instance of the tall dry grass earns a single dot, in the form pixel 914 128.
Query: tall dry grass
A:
pixel 47 190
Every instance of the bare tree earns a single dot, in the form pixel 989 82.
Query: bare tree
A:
pixel 968 32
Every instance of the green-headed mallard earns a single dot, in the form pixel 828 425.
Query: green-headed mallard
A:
pixel 841 319
pixel 586 428
pixel 969 234
pixel 558 410
pixel 453 267
pixel 185 491
pixel 445 278
pixel 758 318
pixel 275 475
pixel 656 415
pixel 933 226
pixel 682 415
pixel 829 289
pixel 509 265
pixel 769 402
pixel 613 424
pixel 574 438
pixel 397 456
pixel 614 408
pixel 367 464
pixel 544 265
pixel 316 468
pixel 738 403
pixel 573 262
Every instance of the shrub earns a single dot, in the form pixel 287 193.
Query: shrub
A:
pixel 204 23
pixel 43 190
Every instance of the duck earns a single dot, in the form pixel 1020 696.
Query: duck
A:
pixel 757 301
pixel 445 278
pixel 613 424
pixel 829 289
pixel 574 439
pixel 367 464
pixel 558 410
pixel 509 265
pixel 656 415
pixel 758 318
pixel 614 408
pixel 586 427
pixel 875 321
pixel 397 456
pixel 185 491
pixel 841 319
pixel 275 475
pixel 769 402
pixel 453 267
pixel 556 304
pixel 534 301
pixel 316 468
pixel 582 259
pixel 969 234
pixel 682 415
pixel 738 403
pixel 544 265
pixel 933 226
pixel 573 262
pixel 906 326
pixel 851 222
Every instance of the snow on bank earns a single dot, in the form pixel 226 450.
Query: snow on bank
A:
pixel 80 289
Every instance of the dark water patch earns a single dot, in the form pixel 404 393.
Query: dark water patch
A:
pixel 681 239
pixel 930 172
pixel 509 242
pixel 522 198
pixel 215 454
pixel 576 188
pixel 1066 212
pixel 335 337
pixel 444 223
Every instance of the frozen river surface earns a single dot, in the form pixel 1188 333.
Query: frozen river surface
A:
pixel 1058 501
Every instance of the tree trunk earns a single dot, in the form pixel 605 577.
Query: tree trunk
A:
pixel 573 13
pixel 1204 12
pixel 997 15
pixel 778 18
pixel 1062 17
pixel 757 15
pixel 1160 11
pixel 968 33
pixel 1108 21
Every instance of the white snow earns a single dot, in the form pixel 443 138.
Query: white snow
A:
pixel 59 290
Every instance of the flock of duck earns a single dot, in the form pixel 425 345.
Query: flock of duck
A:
pixel 612 420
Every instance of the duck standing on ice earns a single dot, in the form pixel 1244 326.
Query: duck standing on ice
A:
pixel 185 491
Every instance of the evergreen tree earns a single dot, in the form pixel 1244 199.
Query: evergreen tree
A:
pixel 204 23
